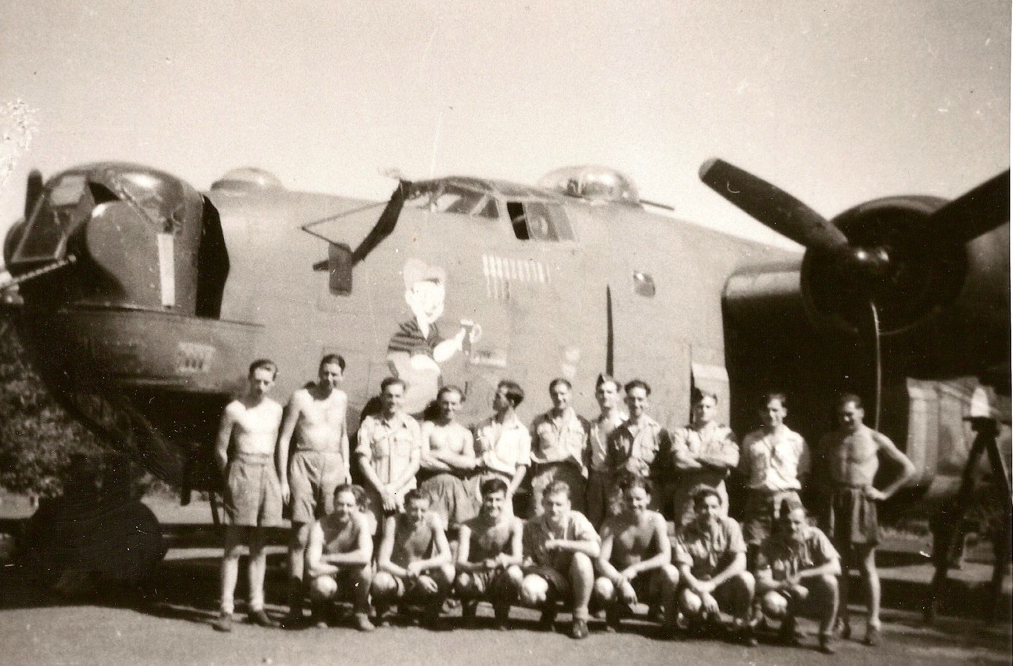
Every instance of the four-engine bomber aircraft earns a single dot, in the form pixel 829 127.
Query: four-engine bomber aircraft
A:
pixel 145 300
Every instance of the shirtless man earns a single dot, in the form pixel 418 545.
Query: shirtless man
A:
pixel 559 550
pixel 600 497
pixel 502 443
pixel 704 452
pixel 635 563
pixel 796 571
pixel 414 564
pixel 640 445
pixel 852 453
pixel 389 450
pixel 338 559
pixel 711 555
pixel 316 415
pixel 558 438
pixel 448 459
pixel 489 555
pixel 245 456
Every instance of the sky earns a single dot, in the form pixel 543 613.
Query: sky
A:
pixel 836 101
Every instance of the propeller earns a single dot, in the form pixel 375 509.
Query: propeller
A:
pixel 876 269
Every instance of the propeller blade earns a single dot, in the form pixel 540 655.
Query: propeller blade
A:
pixel 869 343
pixel 33 191
pixel 771 206
pixel 610 337
pixel 974 213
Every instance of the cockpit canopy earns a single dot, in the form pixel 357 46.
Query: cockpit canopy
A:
pixel 596 184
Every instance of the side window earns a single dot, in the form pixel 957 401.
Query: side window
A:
pixel 538 221
pixel 457 200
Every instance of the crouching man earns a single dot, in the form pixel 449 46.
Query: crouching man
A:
pixel 559 549
pixel 338 559
pixel 635 563
pixel 711 555
pixel 796 573
pixel 414 563
pixel 489 555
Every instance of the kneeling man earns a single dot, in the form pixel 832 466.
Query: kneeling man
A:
pixel 489 555
pixel 711 555
pixel 635 563
pixel 796 571
pixel 414 564
pixel 338 559
pixel 559 549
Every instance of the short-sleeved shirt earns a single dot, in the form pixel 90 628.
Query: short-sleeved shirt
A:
pixel 388 445
pixel 576 527
pixel 502 447
pixel 773 461
pixel 559 443
pixel 707 551
pixel 786 557
pixel 596 453
pixel 636 448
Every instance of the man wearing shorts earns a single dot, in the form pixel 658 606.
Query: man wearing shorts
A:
pixel 635 562
pixel 339 559
pixel 852 453
pixel 245 453
pixel 711 555
pixel 316 416
pixel 558 438
pixel 502 443
pixel 640 445
pixel 489 555
pixel 774 461
pixel 559 550
pixel 796 572
pixel 599 498
pixel 414 563
pixel 389 450
pixel 448 461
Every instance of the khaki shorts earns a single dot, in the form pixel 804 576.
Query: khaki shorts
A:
pixel 252 496
pixel 761 513
pixel 313 476
pixel 489 582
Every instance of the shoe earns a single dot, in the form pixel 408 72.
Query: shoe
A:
pixel 842 628
pixel 501 615
pixel 547 622
pixel 655 614
pixel 293 621
pixel 223 622
pixel 468 611
pixel 579 629
pixel 873 636
pixel 612 620
pixel 827 644
pixel 362 622
pixel 746 638
pixel 260 618
pixel 787 635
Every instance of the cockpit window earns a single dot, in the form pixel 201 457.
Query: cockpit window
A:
pixel 448 198
pixel 539 221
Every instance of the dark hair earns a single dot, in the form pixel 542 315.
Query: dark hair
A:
pixel 264 364
pixel 331 359
pixel 349 488
pixel 450 388
pixel 415 495
pixel 767 397
pixel 494 485
pixel 605 379
pixel 637 383
pixel 845 398
pixel 700 394
pixel 514 392
pixel 560 380
pixel 702 492
pixel 390 381
pixel 557 487
pixel 630 480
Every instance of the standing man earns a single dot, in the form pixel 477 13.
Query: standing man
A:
pixel 635 562
pixel 503 443
pixel 560 547
pixel 796 572
pixel 489 555
pixel 711 555
pixel 557 448
pixel 703 452
pixel 775 462
pixel 852 452
pixel 316 416
pixel 414 563
pixel 389 450
pixel 448 460
pixel 640 444
pixel 600 496
pixel 339 559
pixel 245 456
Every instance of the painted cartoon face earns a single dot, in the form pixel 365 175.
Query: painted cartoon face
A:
pixel 425 298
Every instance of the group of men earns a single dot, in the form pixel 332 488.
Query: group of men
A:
pixel 596 536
